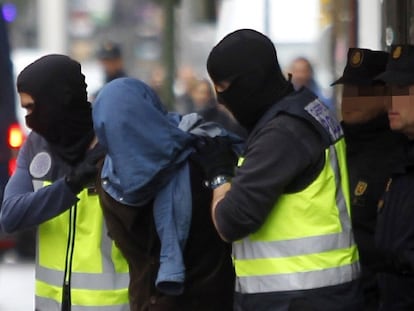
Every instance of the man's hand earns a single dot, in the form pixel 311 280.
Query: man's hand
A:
pixel 215 156
pixel 85 172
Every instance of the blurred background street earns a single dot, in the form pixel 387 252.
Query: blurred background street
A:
pixel 16 286
pixel 162 38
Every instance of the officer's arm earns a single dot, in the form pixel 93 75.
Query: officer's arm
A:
pixel 22 207
pixel 283 155
pixel 218 195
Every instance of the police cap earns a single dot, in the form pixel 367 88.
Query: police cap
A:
pixel 109 50
pixel 362 66
pixel 400 67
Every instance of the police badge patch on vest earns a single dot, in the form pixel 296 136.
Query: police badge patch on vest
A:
pixel 360 188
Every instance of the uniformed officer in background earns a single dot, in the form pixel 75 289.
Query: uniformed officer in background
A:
pixel 373 151
pixel 109 54
pixel 395 229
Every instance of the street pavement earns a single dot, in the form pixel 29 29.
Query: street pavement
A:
pixel 16 286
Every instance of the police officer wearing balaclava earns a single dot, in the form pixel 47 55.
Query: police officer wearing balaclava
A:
pixel 52 189
pixel 286 206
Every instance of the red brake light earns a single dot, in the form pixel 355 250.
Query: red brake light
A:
pixel 15 136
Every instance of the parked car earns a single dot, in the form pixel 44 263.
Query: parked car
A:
pixel 12 135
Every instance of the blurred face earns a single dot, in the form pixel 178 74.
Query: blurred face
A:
pixel 186 78
pixel 401 110
pixel 157 78
pixel 112 66
pixel 361 104
pixel 201 94
pixel 301 73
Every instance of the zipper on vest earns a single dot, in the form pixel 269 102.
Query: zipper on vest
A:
pixel 66 288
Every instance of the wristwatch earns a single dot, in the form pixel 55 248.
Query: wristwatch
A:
pixel 218 181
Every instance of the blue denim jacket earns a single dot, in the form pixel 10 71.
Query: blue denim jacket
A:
pixel 147 159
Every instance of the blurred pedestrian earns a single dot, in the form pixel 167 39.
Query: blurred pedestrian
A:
pixel 202 95
pixel 185 80
pixel 395 230
pixel 303 75
pixel 287 207
pixel 110 56
pixel 77 265
pixel 156 205
pixel 373 152
pixel 205 104
pixel 156 81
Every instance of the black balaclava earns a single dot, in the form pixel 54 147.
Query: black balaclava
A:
pixel 247 59
pixel 62 113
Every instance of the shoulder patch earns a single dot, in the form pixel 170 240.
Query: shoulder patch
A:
pixel 324 116
pixel 40 165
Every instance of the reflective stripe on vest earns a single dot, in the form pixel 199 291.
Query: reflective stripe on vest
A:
pixel 99 278
pixel 43 304
pixel 306 241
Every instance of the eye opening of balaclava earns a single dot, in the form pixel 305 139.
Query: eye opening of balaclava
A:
pixel 62 113
pixel 248 60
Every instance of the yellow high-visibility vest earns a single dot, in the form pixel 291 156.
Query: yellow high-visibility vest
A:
pixel 98 273
pixel 306 242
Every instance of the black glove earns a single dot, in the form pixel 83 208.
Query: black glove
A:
pixel 215 156
pixel 85 172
